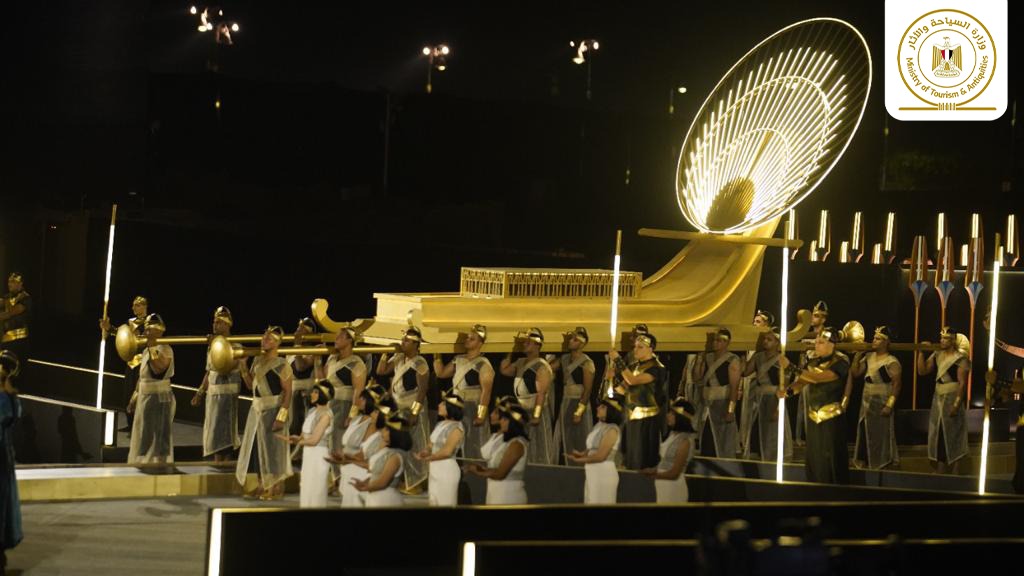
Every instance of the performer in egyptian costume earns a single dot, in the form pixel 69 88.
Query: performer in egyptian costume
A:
pixel 532 386
pixel 763 431
pixel 575 419
pixel 220 424
pixel 719 373
pixel 947 420
pixel 410 375
pixel 270 379
pixel 472 380
pixel 153 401
pixel 875 446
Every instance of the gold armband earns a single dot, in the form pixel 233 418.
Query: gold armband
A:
pixel 732 406
pixel 415 408
pixel 537 411
pixel 890 402
pixel 580 409
pixel 282 414
pixel 353 411
pixel 481 412
pixel 844 403
pixel 154 353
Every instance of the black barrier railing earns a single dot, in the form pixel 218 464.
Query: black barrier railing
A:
pixel 429 541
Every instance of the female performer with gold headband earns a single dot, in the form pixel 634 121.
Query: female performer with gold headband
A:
pixel 315 467
pixel 271 383
pixel 220 426
pixel 494 425
pixel 947 421
pixel 153 402
pixel 410 376
pixel 675 452
pixel 640 379
pixel 532 385
pixel 602 478
pixel 506 464
pixel 445 441
pixel 386 465
pixel 875 446
pixel 472 380
pixel 575 420
pixel 360 442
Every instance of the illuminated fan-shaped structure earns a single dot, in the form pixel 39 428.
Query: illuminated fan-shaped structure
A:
pixel 774 126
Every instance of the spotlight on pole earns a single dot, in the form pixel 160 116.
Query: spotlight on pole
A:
pixel 436 59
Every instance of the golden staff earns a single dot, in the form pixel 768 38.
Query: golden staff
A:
pixel 918 285
pixel 990 376
pixel 973 284
pixel 944 267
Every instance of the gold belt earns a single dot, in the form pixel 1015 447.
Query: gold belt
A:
pixel 641 412
pixel 825 413
pixel 470 394
pixel 16 334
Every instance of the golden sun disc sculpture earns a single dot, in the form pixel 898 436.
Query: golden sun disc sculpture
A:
pixel 774 126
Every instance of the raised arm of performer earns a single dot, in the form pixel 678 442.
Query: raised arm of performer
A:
pixel 627 375
pixel 925 364
pixel 508 365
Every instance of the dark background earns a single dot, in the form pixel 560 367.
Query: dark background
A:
pixel 279 196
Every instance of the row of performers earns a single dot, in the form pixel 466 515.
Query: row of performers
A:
pixel 640 377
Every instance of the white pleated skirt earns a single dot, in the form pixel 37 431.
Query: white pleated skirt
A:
pixel 444 482
pixel 313 480
pixel 503 492
pixel 672 491
pixel 602 483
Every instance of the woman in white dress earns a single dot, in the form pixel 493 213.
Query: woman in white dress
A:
pixel 386 465
pixel 602 478
pixel 153 402
pixel 494 421
pixel 676 451
pixel 445 441
pixel 507 462
pixel 361 440
pixel 315 467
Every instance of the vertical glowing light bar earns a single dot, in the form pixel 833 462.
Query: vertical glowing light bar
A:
pixel 107 299
pixel 876 253
pixel 964 250
pixel 1012 241
pixel 615 296
pixel 824 236
pixel 469 559
pixel 216 529
pixel 108 428
pixel 844 252
pixel 890 237
pixel 783 331
pixel 997 264
pixel 941 230
pixel 857 241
